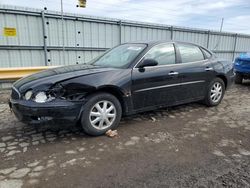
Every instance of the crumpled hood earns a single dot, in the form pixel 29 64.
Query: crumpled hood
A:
pixel 52 76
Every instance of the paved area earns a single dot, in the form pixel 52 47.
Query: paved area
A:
pixel 185 146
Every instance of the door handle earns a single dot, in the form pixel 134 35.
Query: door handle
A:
pixel 208 69
pixel 172 73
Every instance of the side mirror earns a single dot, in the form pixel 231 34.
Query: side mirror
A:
pixel 148 63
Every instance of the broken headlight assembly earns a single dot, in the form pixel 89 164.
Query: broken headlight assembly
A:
pixel 56 91
pixel 42 97
pixel 39 97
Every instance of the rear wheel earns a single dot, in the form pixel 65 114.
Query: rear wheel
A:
pixel 238 78
pixel 215 92
pixel 101 113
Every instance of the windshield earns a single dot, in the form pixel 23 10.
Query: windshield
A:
pixel 120 56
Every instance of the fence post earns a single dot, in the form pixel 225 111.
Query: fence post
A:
pixel 120 31
pixel 235 43
pixel 172 33
pixel 44 39
pixel 208 38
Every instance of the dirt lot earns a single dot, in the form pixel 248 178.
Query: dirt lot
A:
pixel 184 146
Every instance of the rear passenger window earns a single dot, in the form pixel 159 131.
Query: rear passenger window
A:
pixel 190 53
pixel 164 54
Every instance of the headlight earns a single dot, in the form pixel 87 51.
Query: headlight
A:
pixel 28 95
pixel 42 97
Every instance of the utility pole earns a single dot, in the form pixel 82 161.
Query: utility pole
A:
pixel 221 26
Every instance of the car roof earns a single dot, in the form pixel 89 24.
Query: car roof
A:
pixel 155 42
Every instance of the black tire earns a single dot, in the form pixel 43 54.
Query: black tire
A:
pixel 238 78
pixel 208 100
pixel 88 106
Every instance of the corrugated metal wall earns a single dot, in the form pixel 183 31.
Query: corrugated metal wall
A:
pixel 39 40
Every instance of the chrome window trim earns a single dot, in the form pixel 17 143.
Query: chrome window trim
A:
pixel 168 64
pixel 175 64
pixel 169 85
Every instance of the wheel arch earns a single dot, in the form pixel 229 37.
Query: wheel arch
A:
pixel 117 92
pixel 224 78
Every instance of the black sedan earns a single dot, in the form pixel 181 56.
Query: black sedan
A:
pixel 130 78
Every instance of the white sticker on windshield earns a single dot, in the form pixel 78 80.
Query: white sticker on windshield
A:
pixel 134 48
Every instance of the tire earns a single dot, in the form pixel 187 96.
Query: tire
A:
pixel 238 78
pixel 94 122
pixel 212 93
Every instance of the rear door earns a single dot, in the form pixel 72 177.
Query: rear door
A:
pixel 197 71
pixel 157 85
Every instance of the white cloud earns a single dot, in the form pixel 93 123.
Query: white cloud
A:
pixel 238 24
pixel 189 13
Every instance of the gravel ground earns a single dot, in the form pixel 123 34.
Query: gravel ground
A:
pixel 185 146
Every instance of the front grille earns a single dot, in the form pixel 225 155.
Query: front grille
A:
pixel 15 93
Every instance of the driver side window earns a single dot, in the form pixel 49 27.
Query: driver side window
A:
pixel 164 54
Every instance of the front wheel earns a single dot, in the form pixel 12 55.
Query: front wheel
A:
pixel 101 112
pixel 215 92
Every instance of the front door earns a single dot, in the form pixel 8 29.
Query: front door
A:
pixel 157 85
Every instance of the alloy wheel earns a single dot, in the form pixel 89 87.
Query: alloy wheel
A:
pixel 102 115
pixel 216 92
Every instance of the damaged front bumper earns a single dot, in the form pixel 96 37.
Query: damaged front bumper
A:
pixel 55 111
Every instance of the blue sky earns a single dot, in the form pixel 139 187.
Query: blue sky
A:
pixel 206 14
